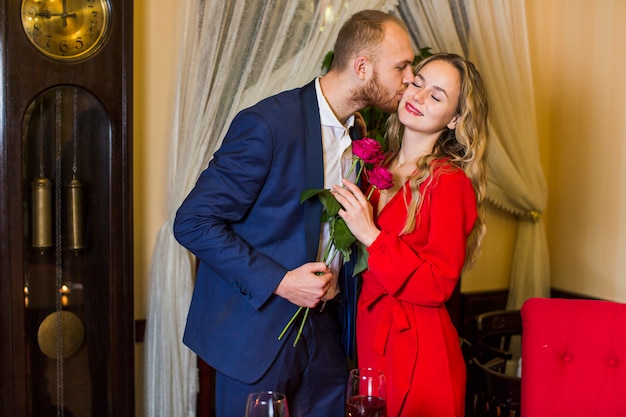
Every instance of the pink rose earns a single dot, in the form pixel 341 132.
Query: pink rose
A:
pixel 368 149
pixel 380 177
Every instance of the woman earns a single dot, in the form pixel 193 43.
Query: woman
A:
pixel 420 234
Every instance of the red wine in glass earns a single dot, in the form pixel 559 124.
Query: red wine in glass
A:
pixel 365 406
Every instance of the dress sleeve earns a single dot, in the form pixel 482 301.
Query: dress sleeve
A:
pixel 424 266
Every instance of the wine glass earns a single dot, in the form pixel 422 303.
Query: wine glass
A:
pixel 267 404
pixel 365 393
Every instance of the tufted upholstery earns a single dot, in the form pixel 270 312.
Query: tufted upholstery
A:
pixel 573 358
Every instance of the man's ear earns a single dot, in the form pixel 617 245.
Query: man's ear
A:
pixel 361 67
pixel 453 122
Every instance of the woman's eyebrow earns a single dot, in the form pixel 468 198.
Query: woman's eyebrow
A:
pixel 440 89
pixel 435 87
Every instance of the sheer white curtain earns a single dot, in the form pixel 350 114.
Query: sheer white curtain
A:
pixel 493 34
pixel 233 54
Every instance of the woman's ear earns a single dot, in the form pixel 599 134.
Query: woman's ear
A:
pixel 453 122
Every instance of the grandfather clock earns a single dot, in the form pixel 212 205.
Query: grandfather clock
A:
pixel 66 314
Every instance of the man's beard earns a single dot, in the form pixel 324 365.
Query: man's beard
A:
pixel 374 94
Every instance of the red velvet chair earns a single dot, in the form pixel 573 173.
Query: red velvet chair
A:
pixel 573 358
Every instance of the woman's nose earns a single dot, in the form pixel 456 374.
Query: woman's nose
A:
pixel 418 95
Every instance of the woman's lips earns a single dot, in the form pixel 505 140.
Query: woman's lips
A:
pixel 412 110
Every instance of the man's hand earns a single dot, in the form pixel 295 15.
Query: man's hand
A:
pixel 306 285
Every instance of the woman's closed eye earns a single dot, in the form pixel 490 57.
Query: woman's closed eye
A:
pixel 419 86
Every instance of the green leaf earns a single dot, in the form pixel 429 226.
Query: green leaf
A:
pixel 327 62
pixel 308 193
pixel 329 202
pixel 383 142
pixel 346 254
pixel 324 218
pixel 341 235
pixel 423 54
pixel 361 261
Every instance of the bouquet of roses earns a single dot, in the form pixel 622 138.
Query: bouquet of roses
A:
pixel 367 155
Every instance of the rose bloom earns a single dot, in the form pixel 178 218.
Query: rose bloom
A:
pixel 368 149
pixel 380 177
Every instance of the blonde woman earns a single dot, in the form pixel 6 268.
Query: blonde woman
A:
pixel 420 234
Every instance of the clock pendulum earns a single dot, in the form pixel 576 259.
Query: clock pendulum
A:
pixel 60 335
pixel 41 189
pixel 74 194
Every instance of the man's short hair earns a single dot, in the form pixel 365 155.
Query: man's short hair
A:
pixel 362 34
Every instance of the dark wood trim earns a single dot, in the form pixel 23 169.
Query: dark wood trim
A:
pixel 140 330
pixel 475 303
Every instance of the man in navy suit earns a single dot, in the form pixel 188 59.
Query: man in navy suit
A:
pixel 259 248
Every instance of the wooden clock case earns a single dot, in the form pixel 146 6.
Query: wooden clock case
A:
pixel 57 115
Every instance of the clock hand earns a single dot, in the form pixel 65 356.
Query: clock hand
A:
pixel 46 14
pixel 64 15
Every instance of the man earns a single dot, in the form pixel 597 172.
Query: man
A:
pixel 259 247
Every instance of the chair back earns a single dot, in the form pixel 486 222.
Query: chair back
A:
pixel 573 358
pixel 494 393
pixel 493 388
pixel 493 333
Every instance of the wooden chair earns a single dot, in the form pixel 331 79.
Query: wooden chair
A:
pixel 494 393
pixel 491 352
pixel 494 332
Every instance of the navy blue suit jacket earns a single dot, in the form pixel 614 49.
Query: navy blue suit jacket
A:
pixel 244 222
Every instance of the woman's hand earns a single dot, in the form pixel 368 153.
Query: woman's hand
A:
pixel 357 212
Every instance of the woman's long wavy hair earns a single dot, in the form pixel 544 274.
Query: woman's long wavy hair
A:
pixel 464 147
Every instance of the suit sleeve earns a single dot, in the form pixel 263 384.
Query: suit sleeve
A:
pixel 222 196
pixel 423 267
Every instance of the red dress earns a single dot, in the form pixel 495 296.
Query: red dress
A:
pixel 403 326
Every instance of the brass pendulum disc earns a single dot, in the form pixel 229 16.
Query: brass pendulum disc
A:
pixel 72 336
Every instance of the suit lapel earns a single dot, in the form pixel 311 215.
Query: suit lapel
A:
pixel 314 168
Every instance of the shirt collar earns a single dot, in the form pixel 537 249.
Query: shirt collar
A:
pixel 327 116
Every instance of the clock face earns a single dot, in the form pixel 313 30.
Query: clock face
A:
pixel 67 30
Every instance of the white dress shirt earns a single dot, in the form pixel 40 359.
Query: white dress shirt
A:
pixel 337 154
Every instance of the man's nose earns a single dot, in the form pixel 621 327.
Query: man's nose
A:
pixel 408 75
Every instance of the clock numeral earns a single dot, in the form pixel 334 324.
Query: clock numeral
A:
pixel 32 12
pixel 37 29
pixel 63 46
